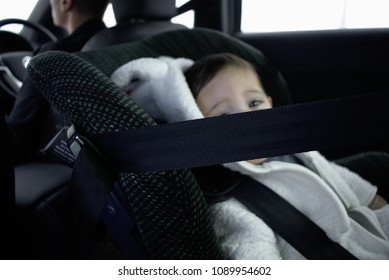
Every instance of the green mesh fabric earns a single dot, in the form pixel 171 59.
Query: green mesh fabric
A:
pixel 169 208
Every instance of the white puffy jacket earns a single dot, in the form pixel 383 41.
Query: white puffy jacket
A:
pixel 333 197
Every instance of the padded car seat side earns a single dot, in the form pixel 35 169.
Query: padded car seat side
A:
pixel 136 20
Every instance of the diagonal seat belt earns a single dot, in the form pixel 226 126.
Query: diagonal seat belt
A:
pixel 344 122
pixel 288 222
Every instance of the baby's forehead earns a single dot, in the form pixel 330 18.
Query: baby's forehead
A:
pixel 233 68
pixel 240 68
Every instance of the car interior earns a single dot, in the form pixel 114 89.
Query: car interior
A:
pixel 36 195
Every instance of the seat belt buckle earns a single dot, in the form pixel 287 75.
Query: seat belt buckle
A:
pixel 75 142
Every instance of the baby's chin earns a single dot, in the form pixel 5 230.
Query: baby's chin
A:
pixel 256 161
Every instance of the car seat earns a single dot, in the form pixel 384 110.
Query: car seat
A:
pixel 136 20
pixel 168 207
pixel 187 233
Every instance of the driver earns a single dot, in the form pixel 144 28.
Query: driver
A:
pixel 32 121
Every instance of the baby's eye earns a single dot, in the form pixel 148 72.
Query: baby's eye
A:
pixel 255 103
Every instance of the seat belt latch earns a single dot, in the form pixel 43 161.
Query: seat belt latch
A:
pixel 75 142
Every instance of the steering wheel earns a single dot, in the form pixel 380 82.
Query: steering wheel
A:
pixel 35 26
pixel 15 51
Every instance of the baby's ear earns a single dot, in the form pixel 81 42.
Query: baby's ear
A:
pixel 142 70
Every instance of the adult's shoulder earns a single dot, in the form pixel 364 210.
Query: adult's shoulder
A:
pixel 75 41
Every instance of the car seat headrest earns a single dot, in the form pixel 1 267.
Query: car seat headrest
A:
pixel 146 10
pixel 136 20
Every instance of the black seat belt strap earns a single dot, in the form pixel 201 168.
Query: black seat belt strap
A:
pixel 266 133
pixel 287 221
pixel 91 183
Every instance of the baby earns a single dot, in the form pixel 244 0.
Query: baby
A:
pixel 226 84
pixel 336 199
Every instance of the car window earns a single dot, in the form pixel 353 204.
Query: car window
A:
pixel 14 11
pixel 109 16
pixel 186 18
pixel 286 15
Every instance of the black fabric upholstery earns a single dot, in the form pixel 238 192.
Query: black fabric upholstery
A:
pixel 30 189
pixel 158 10
pixel 136 20
pixel 7 191
pixel 169 207
pixel 41 191
pixel 372 166
pixel 129 32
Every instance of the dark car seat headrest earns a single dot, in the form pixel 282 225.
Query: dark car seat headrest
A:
pixel 146 9
pixel 129 32
pixel 136 20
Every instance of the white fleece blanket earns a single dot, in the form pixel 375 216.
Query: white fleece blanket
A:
pixel 332 196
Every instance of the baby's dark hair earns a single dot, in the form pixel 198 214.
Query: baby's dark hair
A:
pixel 206 68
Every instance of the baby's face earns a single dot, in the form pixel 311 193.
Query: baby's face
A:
pixel 233 90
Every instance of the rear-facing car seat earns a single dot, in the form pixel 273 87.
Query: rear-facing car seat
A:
pixel 168 207
pixel 172 215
